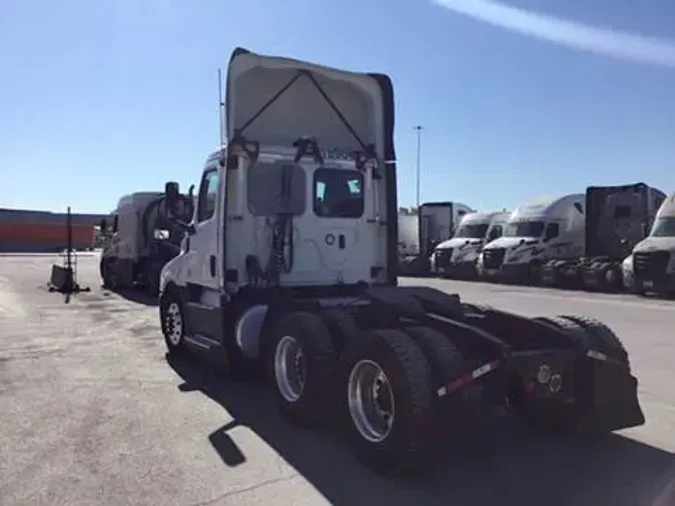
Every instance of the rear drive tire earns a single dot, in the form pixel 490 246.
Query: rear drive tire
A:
pixel 301 360
pixel 390 415
pixel 342 326
pixel 106 274
pixel 446 364
pixel 602 338
pixel 445 360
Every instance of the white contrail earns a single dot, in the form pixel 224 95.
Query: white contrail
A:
pixel 626 46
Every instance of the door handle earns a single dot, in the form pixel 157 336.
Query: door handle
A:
pixel 212 265
pixel 341 241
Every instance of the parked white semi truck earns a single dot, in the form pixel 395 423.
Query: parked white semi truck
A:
pixel 437 222
pixel 651 265
pixel 617 218
pixel 457 256
pixel 535 232
pixel 290 266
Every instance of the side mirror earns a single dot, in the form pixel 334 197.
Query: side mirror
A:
pixel 171 195
pixel 189 228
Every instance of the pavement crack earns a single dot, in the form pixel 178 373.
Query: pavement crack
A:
pixel 243 490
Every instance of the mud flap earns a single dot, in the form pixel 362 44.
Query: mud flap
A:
pixel 612 402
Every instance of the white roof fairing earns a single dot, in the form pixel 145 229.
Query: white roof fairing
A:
pixel 301 109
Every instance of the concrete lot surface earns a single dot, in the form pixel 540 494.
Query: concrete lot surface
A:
pixel 92 413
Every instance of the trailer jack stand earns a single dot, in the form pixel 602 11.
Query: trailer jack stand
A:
pixel 62 279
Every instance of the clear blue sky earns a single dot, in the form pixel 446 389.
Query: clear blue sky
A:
pixel 100 98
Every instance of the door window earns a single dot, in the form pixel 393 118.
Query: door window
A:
pixel 338 193
pixel 552 231
pixel 208 195
pixel 495 233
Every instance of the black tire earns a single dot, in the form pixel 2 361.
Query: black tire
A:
pixel 106 278
pixel 151 272
pixel 572 331
pixel 172 322
pixel 478 309
pixel 342 325
pixel 446 363
pixel 602 338
pixel 444 358
pixel 407 447
pixel 315 401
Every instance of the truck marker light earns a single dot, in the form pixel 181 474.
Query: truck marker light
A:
pixel 596 355
pixel 544 374
pixel 555 384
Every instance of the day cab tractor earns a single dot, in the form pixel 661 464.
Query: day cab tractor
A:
pixel 290 264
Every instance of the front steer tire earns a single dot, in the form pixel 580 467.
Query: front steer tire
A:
pixel 172 322
pixel 407 446
pixel 310 401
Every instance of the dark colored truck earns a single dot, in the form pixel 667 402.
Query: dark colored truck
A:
pixel 617 218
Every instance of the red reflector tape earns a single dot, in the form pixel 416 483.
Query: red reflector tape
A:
pixel 464 380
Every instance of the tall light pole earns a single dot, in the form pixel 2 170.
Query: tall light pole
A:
pixel 419 155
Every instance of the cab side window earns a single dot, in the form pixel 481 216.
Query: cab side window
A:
pixel 208 195
pixel 552 231
pixel 495 233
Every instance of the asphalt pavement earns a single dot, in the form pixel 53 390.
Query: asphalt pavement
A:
pixel 92 413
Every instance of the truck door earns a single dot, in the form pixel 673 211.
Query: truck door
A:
pixel 345 241
pixel 203 267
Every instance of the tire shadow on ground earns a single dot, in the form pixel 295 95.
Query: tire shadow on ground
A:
pixel 502 464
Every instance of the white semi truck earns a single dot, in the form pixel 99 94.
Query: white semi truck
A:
pixel 616 219
pixel 290 263
pixel 545 229
pixel 437 222
pixel 457 256
pixel 651 265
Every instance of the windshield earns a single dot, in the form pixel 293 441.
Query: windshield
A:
pixel 472 231
pixel 664 227
pixel 524 229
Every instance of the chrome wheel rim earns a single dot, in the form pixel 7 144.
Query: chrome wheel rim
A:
pixel 289 368
pixel 371 401
pixel 173 322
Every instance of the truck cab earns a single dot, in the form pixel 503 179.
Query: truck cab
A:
pixel 299 200
pixel 535 232
pixel 651 265
pixel 289 263
pixel 457 256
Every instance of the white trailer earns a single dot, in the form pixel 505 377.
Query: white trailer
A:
pixel 408 235
pixel 457 256
pixel 552 228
